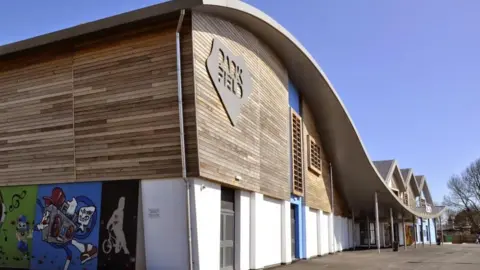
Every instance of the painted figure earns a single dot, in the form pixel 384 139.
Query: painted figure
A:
pixel 115 225
pixel 23 233
pixel 66 223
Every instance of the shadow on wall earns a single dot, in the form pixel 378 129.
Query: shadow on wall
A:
pixel 69 226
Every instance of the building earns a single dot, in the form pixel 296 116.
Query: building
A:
pixel 194 134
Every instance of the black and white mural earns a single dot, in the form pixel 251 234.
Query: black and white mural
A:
pixel 118 225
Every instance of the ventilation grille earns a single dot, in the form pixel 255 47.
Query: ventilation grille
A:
pixel 297 160
pixel 314 157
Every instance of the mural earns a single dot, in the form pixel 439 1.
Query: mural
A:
pixel 118 227
pixel 18 213
pixel 409 234
pixel 66 227
pixel 63 226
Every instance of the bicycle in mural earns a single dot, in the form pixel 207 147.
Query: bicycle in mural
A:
pixel 116 236
pixel 109 243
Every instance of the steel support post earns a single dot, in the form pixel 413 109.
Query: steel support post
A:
pixel 377 221
pixel 404 235
pixel 392 232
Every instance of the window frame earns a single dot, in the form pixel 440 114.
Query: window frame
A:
pixel 311 165
pixel 294 180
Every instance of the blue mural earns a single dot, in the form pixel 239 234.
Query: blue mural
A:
pixel 66 230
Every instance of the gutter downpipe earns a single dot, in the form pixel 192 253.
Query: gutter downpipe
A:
pixel 333 211
pixel 182 136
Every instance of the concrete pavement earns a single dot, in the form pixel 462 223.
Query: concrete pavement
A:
pixel 446 257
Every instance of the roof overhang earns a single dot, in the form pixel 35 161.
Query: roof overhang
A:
pixel 95 26
pixel 354 171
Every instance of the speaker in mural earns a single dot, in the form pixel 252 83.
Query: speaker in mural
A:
pixel 66 226
pixel 16 219
pixel 118 225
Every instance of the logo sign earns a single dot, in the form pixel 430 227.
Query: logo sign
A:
pixel 230 77
pixel 153 212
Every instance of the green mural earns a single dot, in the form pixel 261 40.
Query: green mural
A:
pixel 16 225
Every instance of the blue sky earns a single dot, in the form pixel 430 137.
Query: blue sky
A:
pixel 407 70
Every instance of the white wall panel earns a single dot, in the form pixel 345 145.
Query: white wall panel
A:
pixel 319 231
pixel 400 234
pixel 286 233
pixel 325 233
pixel 165 224
pixel 206 206
pixel 350 233
pixel 331 233
pixel 242 230
pixel 271 232
pixel 312 234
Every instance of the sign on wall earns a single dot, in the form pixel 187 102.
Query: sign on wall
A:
pixel 230 77
pixel 428 208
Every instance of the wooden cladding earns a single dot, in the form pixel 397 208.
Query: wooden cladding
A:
pixel 36 129
pixel 257 146
pixel 297 154
pixel 100 107
pixel 318 188
pixel 314 156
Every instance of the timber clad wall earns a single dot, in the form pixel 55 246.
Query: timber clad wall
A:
pixel 257 148
pixel 36 130
pixel 101 107
pixel 318 189
pixel 317 193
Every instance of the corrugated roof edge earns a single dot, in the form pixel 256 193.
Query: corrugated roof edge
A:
pixel 98 25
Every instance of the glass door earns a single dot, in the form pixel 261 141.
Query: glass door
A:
pixel 227 230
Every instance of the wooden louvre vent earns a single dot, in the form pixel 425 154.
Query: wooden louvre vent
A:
pixel 297 154
pixel 314 158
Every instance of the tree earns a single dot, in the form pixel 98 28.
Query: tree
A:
pixel 464 194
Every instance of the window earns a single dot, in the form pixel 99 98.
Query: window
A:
pixel 422 202
pixel 314 158
pixel 297 154
pixel 405 198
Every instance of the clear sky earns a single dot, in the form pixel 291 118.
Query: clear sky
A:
pixel 407 70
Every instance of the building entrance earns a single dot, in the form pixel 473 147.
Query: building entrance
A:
pixel 227 229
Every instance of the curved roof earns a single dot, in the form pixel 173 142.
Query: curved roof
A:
pixel 353 169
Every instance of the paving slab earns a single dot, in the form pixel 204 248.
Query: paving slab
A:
pixel 446 257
